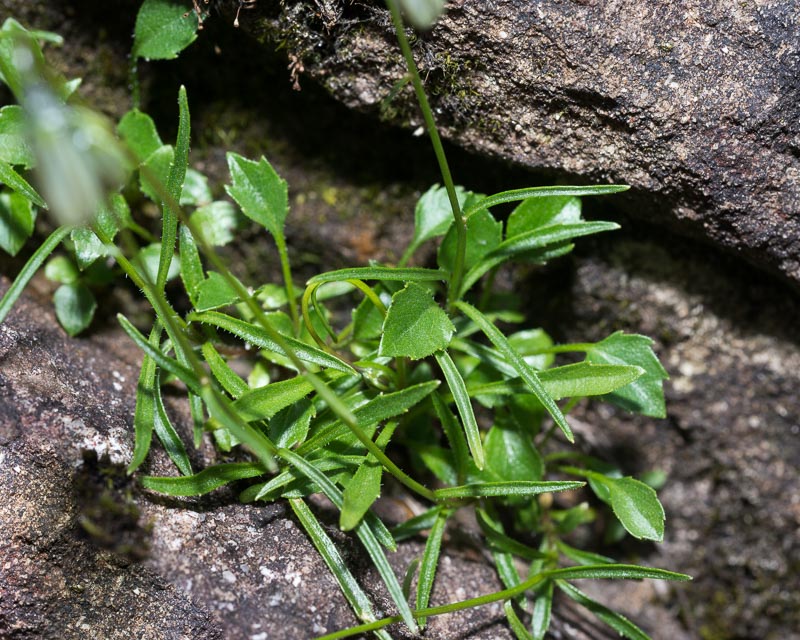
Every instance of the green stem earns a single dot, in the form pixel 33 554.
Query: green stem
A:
pixel 460 221
pixel 287 279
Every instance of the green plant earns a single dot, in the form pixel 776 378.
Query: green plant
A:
pixel 339 404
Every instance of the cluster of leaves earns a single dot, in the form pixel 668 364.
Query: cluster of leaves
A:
pixel 420 375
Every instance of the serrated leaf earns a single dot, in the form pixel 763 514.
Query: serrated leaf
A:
pixel 16 221
pixel 484 234
pixel 510 455
pixel 14 146
pixel 75 306
pixel 637 507
pixel 415 325
pixel 216 221
pixel 214 292
pixel 259 191
pixel 645 395
pixel 205 481
pixel 139 132
pixel 163 29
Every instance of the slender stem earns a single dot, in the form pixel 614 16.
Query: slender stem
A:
pixel 460 221
pixel 287 279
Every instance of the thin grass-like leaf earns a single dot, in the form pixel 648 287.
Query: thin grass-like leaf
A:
pixel 500 541
pixel 407 274
pixel 416 525
pixel 9 177
pixel 516 195
pixel 165 362
pixel 528 375
pixel 259 337
pixel 542 610
pixel 350 588
pixel 430 561
pixel 168 436
pixel 454 434
pixel 616 621
pixel 145 411
pixel 365 533
pixel 264 402
pixel 177 174
pixel 226 376
pixel 191 266
pixel 205 481
pixel 464 406
pixel 515 623
pixel 31 267
pixel 505 489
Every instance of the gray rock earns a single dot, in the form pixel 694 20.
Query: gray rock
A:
pixel 693 103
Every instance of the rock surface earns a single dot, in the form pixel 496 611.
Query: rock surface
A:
pixel 694 103
pixel 215 568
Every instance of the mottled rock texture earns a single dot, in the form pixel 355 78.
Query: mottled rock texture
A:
pixel 694 103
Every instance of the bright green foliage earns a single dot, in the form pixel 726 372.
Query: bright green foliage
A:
pixel 645 395
pixel 415 326
pixel 163 29
pixel 420 374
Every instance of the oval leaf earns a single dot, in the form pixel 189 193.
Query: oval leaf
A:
pixel 637 507
pixel 415 325
pixel 163 29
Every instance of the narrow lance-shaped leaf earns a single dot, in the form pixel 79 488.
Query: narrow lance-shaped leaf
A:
pixel 17 216
pixel 542 608
pixel 430 562
pixel 10 177
pixel 459 390
pixel 516 195
pixel 205 481
pixel 365 486
pixel 144 414
pixel 168 436
pixel 525 372
pixel 408 274
pixel 505 489
pixel 616 621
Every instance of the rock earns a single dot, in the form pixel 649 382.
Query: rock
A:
pixel 200 569
pixel 693 103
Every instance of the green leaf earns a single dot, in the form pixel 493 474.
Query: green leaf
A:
pixel 259 337
pixel 147 260
pixel 259 191
pixel 214 292
pixel 347 583
pixel 144 414
pixel 381 407
pixel 169 437
pixel 415 325
pixel 139 132
pixel 154 173
pixel 529 344
pixel 430 561
pixel 163 29
pixel 542 608
pixel 516 195
pixel 195 189
pixel 30 268
pixel 190 264
pixel 205 481
pixel 519 629
pixel 455 436
pixel 510 455
pixel 580 556
pixel 423 14
pixel 364 487
pixel 504 489
pixel 14 146
pixel 528 375
pixel 433 215
pixel 456 384
pixel 585 379
pixel 407 274
pixel 615 572
pixel 75 306
pixel 616 621
pixel 62 270
pixel 88 247
pixel 265 402
pixel 535 213
pixel 216 221
pixel 289 426
pixel 645 395
pixel 16 182
pixel 637 507
pixel 499 541
pixel 229 380
pixel 416 525
pixel 16 221
pixel 484 234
